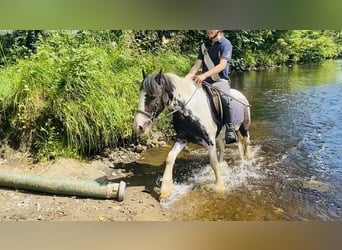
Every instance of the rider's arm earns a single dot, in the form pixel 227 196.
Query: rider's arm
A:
pixel 217 69
pixel 194 69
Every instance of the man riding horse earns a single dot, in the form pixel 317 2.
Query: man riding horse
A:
pixel 214 58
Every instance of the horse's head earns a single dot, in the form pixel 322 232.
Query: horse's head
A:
pixel 155 95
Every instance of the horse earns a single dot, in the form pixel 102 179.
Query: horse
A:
pixel 193 121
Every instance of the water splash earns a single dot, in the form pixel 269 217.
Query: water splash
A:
pixel 237 174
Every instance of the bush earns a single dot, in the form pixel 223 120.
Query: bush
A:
pixel 75 97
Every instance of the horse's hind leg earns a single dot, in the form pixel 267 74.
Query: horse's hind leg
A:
pixel 167 182
pixel 240 145
pixel 243 144
pixel 246 148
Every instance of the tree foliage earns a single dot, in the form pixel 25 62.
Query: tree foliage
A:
pixel 75 92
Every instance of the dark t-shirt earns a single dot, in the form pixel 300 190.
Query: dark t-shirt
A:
pixel 220 49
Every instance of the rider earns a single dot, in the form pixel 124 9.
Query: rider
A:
pixel 214 58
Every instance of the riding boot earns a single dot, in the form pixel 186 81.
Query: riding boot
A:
pixel 231 136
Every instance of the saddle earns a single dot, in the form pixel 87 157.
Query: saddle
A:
pixel 215 102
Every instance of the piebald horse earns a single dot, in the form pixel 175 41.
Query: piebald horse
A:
pixel 193 120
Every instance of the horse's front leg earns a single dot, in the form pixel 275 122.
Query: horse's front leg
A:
pixel 219 185
pixel 167 182
pixel 220 144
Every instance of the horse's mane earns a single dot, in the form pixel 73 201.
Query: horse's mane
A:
pixel 154 83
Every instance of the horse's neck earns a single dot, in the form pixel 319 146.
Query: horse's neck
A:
pixel 189 94
pixel 184 87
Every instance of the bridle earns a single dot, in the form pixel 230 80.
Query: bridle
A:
pixel 148 115
pixel 153 116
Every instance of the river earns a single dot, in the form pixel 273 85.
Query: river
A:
pixel 296 139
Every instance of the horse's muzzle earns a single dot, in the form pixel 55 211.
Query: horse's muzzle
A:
pixel 142 128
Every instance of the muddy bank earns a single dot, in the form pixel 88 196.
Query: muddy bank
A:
pixel 140 202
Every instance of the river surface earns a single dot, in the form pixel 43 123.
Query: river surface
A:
pixel 296 139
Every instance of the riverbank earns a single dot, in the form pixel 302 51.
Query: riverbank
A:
pixel 139 204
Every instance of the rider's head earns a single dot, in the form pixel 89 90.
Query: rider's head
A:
pixel 214 34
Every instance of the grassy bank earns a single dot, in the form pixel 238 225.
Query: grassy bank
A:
pixel 74 97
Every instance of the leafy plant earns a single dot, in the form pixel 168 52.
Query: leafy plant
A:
pixel 76 92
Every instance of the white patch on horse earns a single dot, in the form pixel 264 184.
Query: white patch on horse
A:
pixel 141 122
pixel 196 102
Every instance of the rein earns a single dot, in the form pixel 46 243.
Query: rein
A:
pixel 186 103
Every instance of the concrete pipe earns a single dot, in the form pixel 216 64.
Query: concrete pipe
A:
pixel 63 186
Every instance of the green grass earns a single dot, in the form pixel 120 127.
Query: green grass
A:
pixel 76 97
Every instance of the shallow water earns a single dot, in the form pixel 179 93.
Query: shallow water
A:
pixel 296 138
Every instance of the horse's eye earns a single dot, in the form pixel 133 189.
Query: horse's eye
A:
pixel 151 97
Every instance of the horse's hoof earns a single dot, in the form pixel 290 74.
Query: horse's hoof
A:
pixel 165 190
pixel 249 156
pixel 164 196
pixel 216 188
pixel 223 164
pixel 220 188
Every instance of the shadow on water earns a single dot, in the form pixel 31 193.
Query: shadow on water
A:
pixel 149 169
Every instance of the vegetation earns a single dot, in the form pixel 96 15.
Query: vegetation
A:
pixel 74 93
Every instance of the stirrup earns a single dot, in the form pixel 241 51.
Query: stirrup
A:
pixel 231 136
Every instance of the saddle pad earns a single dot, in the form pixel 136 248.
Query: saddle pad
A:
pixel 236 111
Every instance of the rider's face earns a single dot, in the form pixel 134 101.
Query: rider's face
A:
pixel 212 33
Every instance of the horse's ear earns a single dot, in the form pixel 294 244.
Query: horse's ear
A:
pixel 159 76
pixel 144 74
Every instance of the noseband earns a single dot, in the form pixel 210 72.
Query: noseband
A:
pixel 152 116
pixel 148 115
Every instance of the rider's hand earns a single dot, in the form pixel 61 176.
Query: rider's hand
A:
pixel 189 76
pixel 200 78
